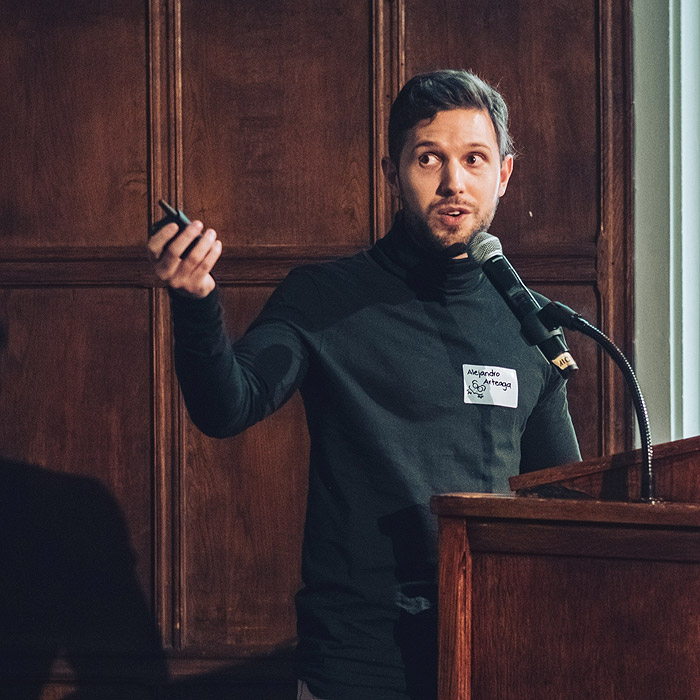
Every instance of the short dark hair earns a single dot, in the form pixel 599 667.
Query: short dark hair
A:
pixel 426 94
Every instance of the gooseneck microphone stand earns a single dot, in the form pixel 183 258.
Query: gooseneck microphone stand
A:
pixel 556 314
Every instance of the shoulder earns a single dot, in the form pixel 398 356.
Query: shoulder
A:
pixel 310 291
pixel 327 276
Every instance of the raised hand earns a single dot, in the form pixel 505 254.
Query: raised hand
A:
pixel 190 275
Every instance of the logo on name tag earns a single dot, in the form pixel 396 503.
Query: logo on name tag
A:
pixel 490 386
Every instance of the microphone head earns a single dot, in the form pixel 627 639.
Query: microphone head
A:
pixel 483 246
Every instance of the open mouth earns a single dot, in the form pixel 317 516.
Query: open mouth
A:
pixel 452 216
pixel 453 212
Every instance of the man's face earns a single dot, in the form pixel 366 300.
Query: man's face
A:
pixel 450 177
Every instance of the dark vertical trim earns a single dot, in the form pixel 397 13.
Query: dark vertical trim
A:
pixel 165 180
pixel 615 249
pixel 389 68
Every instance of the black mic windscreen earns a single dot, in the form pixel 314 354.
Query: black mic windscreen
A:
pixel 483 246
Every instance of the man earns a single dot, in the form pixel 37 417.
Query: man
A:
pixel 384 347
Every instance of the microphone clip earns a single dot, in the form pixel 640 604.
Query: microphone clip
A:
pixel 542 328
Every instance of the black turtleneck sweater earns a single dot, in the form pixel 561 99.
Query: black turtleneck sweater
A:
pixel 376 344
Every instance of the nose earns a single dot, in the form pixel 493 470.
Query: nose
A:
pixel 453 179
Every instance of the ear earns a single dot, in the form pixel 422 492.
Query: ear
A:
pixel 506 172
pixel 391 174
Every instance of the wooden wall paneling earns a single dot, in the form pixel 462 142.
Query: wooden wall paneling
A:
pixel 276 115
pixel 76 492
pixel 243 509
pixel 165 104
pixel 586 393
pixel 165 182
pixel 615 242
pixel 75 380
pixel 542 57
pixel 388 63
pixel 74 128
pixel 73 383
pixel 166 465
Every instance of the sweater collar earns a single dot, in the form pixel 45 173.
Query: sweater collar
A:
pixel 428 273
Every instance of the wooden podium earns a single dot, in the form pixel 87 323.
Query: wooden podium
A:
pixel 582 596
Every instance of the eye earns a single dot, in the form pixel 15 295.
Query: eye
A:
pixel 475 158
pixel 427 159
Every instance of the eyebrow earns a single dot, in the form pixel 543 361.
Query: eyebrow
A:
pixel 476 145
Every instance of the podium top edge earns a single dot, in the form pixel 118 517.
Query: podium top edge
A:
pixel 496 506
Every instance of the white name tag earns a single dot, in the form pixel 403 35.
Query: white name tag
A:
pixel 490 386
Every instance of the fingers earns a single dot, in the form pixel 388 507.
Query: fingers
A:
pixel 168 239
pixel 191 274
pixel 201 283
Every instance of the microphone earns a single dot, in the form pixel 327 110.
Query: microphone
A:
pixel 487 252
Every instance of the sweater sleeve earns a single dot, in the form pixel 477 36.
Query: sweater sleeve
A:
pixel 228 386
pixel 549 438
